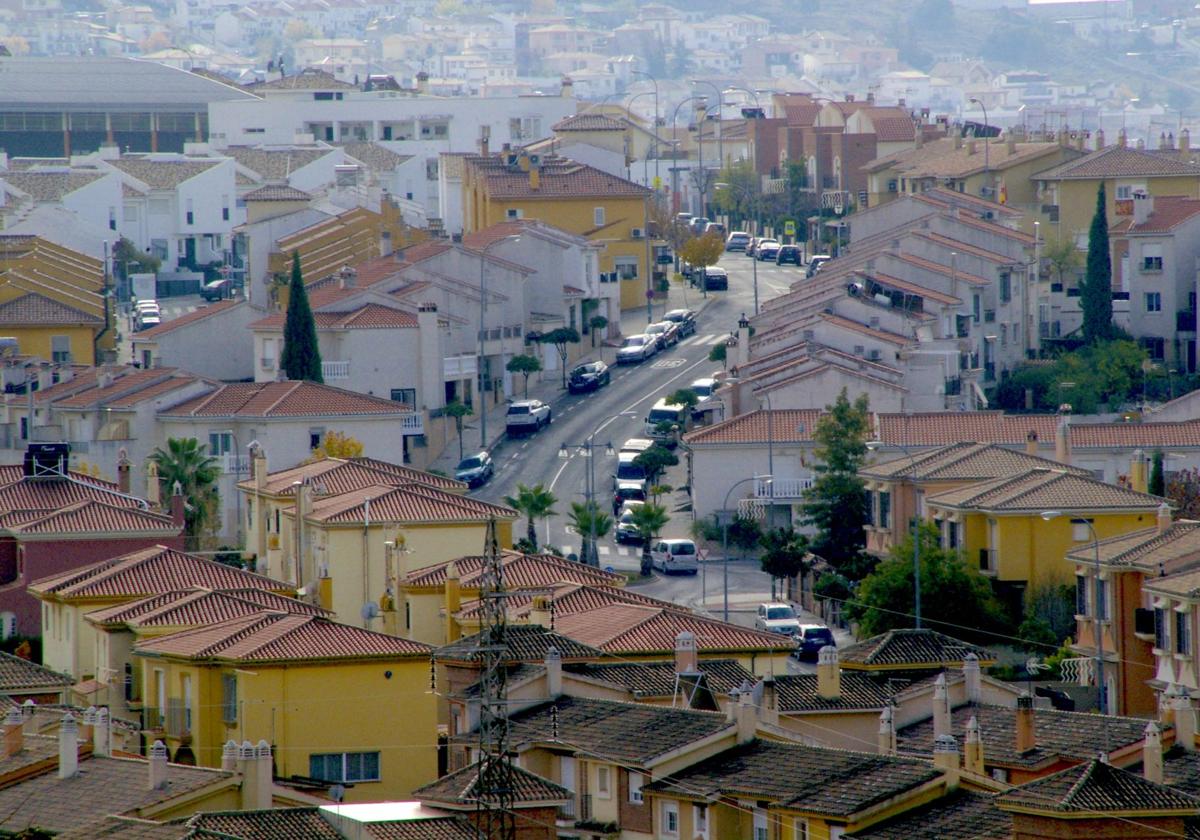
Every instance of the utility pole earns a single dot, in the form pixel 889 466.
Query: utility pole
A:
pixel 496 819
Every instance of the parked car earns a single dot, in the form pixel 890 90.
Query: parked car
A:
pixel 737 241
pixel 636 445
pixel 685 319
pixel 629 471
pixel 716 279
pixel 148 318
pixel 811 638
pixel 767 249
pixel 637 348
pixel 665 422
pixel 665 333
pixel 698 224
pixel 788 254
pixel 589 377
pixel 752 245
pixel 715 227
pixel 675 557
pixel 777 618
pixel 526 416
pixel 627 492
pixel 683 218
pixel 475 469
pixel 815 262
pixel 703 388
pixel 626 531
pixel 217 289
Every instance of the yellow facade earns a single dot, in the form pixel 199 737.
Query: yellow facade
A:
pixel 303 709
pixel 1076 200
pixel 34 340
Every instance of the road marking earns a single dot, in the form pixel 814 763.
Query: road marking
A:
pixel 715 339
pixel 567 550
pixel 603 549
pixel 669 363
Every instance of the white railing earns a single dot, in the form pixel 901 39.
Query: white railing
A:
pixel 234 464
pixel 335 370
pixel 413 424
pixel 456 367
pixel 781 488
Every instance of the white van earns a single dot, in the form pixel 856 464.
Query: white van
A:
pixel 664 412
pixel 675 557
pixel 628 471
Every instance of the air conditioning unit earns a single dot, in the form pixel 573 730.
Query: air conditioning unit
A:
pixel 859 350
pixel 637 233
pixel 535 160
pixel 874 356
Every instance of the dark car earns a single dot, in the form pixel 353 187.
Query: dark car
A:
pixel 590 377
pixel 788 254
pixel 475 469
pixel 810 639
pixel 216 290
pixel 685 319
pixel 716 278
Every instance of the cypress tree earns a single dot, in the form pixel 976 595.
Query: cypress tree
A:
pixel 301 357
pixel 1096 294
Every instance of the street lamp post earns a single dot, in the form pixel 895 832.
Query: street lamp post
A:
pixel 482 332
pixel 987 169
pixel 675 149
pixel 654 82
pixel 725 539
pixel 1099 608
pixel 874 445
pixel 587 449
pixel 720 114
pixel 754 262
pixel 629 105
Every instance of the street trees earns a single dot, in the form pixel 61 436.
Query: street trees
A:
pixel 186 464
pixel 685 397
pixel 525 365
pixel 1096 294
pixel 955 598
pixel 1062 255
pixel 701 252
pixel 1158 481
pixel 649 519
pixel 597 323
pixel 655 460
pixel 334 444
pixel 458 410
pixel 592 524
pixel 301 358
pixel 560 338
pixel 534 503
pixel 1184 492
pixel 783 553
pixel 836 503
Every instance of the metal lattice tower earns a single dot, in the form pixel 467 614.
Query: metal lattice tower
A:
pixel 496 818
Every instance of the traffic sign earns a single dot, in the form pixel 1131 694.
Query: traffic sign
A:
pixel 789 228
pixel 702 553
pixel 609 569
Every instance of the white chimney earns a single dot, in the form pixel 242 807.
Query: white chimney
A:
pixel 747 717
pixel 887 732
pixel 554 685
pixel 29 715
pixel 829 673
pixel 945 752
pixel 1185 720
pixel 1152 754
pixel 102 734
pixel 255 766
pixel 941 707
pixel 973 753
pixel 229 755
pixel 14 732
pixel 68 747
pixel 158 766
pixel 685 653
pixel 973 678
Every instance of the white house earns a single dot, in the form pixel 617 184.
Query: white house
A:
pixel 213 341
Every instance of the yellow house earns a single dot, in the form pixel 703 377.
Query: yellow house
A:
pixel 337 703
pixel 266 495
pixel 898 487
pixel 999 523
pixel 1067 193
pixel 573 196
pixel 69 641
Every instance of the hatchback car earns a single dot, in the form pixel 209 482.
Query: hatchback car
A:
pixel 589 377
pixel 637 348
pixel 767 249
pixel 815 263
pixel 217 289
pixel 716 279
pixel 675 557
pixel 627 491
pixel 665 333
pixel 527 416
pixel 788 254
pixel 737 241
pixel 777 618
pixel 698 225
pixel 811 638
pixel 685 319
pixel 626 531
pixel 475 469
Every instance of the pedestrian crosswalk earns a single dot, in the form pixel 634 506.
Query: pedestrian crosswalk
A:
pixel 606 550
pixel 703 339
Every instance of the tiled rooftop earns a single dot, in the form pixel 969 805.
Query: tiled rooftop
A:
pixel 589 122
pixel 152 571
pixel 45 497
pixel 408 503
pixel 20 676
pixel 1118 161
pixel 275 164
pixel 568 598
pixel 281 637
pixel 1146 549
pixel 636 629
pixel 201 314
pixel 127 828
pixel 525 643
pixel 558 178
pixel 963 462
pixel 123 381
pixel 199 607
pixel 50 186
pixel 276 192
pixel 962 814
pixel 272 824
pixel 911 650
pixel 1169 212
pixel 95 517
pixel 787 426
pixel 283 399
pixel 798 693
pixel 1095 788
pixel 658 679
pixel 341 475
pixel 818 780
pixel 375 156
pixel 310 78
pixel 462 787
pixel 33 308
pixel 1044 489
pixel 369 316
pixel 163 174
pixel 520 571
pixel 940 158
pixel 426 828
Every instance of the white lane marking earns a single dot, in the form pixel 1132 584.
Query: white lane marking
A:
pixel 603 549
pixel 714 339
pixel 664 364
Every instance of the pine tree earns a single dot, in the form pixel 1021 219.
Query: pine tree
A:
pixel 301 355
pixel 1096 294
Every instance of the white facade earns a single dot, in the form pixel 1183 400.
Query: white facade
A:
pixel 218 346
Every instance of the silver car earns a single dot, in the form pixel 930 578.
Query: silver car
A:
pixel 637 348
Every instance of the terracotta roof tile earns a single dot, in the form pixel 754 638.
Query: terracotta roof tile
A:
pixel 46 496
pixel 943 270
pixel 911 649
pixel 558 178
pixel 38 309
pixel 520 571
pixel 151 571
pixel 589 122
pixel 425 828
pixel 659 679
pixel 1169 212
pixel 1119 162
pixel 1095 788
pixel 913 288
pixel 1146 549
pixel 91 516
pixel 787 426
pixel 461 787
pixel 271 824
pixel 124 380
pixel 198 607
pixel 283 399
pixel 940 159
pixel 276 192
pixel 408 503
pixel 1045 489
pixel 798 693
pixel 330 476
pixel 525 643
pixel 963 461
pixel 370 316
pixel 862 329
pixel 275 636
pixel 201 314
pixel 637 629
pixel 961 814
pixel 126 828
pixel 19 675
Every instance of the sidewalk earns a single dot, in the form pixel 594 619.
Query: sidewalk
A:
pixel 550 389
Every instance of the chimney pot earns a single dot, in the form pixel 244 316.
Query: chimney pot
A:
pixel 1164 518
pixel 887 732
pixel 554 686
pixel 973 678
pixel 229 755
pixel 158 766
pixel 14 732
pixel 945 752
pixel 68 747
pixel 1185 720
pixel 685 653
pixel 102 734
pixel 1031 443
pixel 1152 754
pixel 829 673
pixel 1026 733
pixel 941 707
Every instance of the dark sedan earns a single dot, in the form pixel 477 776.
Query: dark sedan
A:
pixel 589 377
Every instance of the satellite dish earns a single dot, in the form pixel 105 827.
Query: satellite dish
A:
pixel 369 611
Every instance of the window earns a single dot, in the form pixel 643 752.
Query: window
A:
pixel 700 820
pixel 1005 287
pixel 344 767
pixel 1081 595
pixel 191 217
pixel 1153 301
pixel 951 535
pixel 976 308
pixel 670 818
pixel 315 436
pixel 1102 597
pixel 626 268
pixel 1080 530
pixel 60 349
pixel 1153 345
pixel 160 696
pixel 635 788
pixel 514 213
pixel 760 826
pixel 229 698
pixel 598 216
pixel 1183 633
pixel 1160 629
pixel 1152 257
pixel 800 831
pixel 220 443
pixel 408 396
pixel 885 509
pixel 187 702
pixel 603 787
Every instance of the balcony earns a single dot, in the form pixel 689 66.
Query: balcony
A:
pixel 413 424
pixel 233 463
pixel 781 489
pixel 567 811
pixel 179 718
pixel 335 370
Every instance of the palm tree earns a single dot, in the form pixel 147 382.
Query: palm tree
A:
pixel 591 523
pixel 186 463
pixel 535 503
pixel 649 519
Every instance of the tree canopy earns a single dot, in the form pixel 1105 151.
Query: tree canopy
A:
pixel 525 365
pixel 186 463
pixel 560 337
pixel 1095 297
pixel 649 519
pixel 301 358
pixel 535 503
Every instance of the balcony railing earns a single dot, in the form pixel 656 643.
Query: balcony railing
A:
pixel 233 463
pixel 335 370
pixel 781 488
pixel 585 806
pixel 413 424
pixel 567 810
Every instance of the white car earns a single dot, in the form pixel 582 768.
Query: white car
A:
pixel 777 618
pixel 637 348
pixel 527 416
pixel 675 557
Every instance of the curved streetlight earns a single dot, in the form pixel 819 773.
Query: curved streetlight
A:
pixel 725 538
pixel 720 114
pixel 675 153
pixel 987 169
pixel 654 82
pixel 483 314
pixel 875 445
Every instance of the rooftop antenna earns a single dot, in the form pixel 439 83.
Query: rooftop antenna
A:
pixel 495 781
